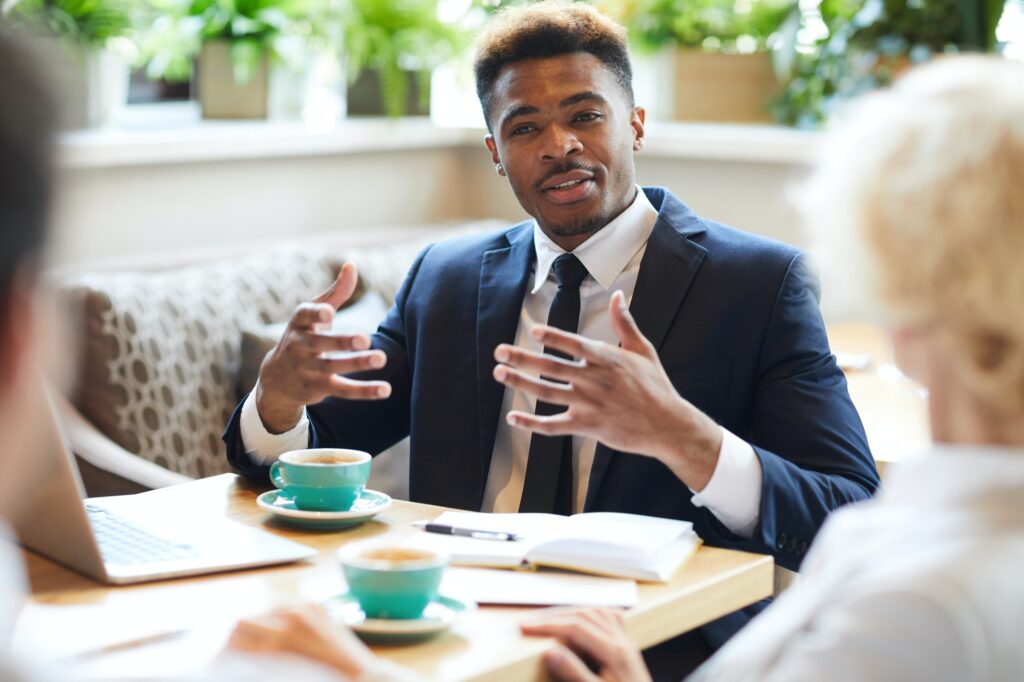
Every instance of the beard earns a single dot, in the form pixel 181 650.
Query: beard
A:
pixel 578 226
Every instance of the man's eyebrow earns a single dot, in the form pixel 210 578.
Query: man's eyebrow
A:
pixel 586 96
pixel 521 110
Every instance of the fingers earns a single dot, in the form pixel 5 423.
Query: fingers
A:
pixel 347 363
pixel 342 288
pixel 566 666
pixel 560 424
pixel 575 630
pixel 592 352
pixel 254 634
pixel 350 389
pixel 572 345
pixel 548 391
pixel 545 365
pixel 625 328
pixel 316 344
pixel 309 315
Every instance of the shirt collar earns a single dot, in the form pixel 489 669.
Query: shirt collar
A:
pixel 607 253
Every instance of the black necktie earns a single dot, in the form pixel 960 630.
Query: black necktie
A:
pixel 548 483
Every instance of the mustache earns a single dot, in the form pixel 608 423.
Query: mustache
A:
pixel 565 168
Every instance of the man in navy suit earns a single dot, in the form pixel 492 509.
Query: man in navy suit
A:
pixel 616 353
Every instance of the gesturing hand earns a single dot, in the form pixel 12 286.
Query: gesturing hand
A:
pixel 619 396
pixel 595 635
pixel 307 363
pixel 304 631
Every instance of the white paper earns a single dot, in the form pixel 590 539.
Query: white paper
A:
pixel 537 588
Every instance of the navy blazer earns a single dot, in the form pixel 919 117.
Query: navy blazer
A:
pixel 736 323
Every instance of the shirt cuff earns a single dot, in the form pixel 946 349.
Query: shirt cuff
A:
pixel 733 494
pixel 265 447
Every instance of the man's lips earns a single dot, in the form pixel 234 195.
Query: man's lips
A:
pixel 566 179
pixel 568 187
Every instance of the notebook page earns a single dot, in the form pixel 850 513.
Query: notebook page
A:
pixel 533 528
pixel 537 588
pixel 632 534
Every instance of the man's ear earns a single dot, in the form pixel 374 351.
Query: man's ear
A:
pixel 493 147
pixel 636 122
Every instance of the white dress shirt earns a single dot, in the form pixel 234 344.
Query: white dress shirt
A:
pixel 922 583
pixel 612 257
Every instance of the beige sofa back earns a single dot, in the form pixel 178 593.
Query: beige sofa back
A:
pixel 160 348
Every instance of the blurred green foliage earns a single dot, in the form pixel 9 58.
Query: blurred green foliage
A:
pixel 869 42
pixel 396 38
pixel 87 22
pixel 176 30
pixel 654 24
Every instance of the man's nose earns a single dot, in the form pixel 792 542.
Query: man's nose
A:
pixel 559 142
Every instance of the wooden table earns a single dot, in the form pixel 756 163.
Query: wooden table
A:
pixel 71 616
pixel 893 408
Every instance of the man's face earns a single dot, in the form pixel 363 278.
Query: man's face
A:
pixel 564 134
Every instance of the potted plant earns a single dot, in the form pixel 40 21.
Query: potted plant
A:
pixel 232 43
pixel 76 37
pixel 391 47
pixel 866 43
pixel 717 51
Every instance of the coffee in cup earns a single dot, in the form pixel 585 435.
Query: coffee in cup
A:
pixel 322 479
pixel 391 581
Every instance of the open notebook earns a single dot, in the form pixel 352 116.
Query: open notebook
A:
pixel 605 543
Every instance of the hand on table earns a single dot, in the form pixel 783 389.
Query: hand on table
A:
pixel 304 631
pixel 597 636
pixel 305 367
pixel 620 396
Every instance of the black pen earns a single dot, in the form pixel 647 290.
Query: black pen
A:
pixel 444 529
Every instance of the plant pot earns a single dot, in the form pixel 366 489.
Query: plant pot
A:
pixel 220 96
pixel 364 96
pixel 90 83
pixel 735 88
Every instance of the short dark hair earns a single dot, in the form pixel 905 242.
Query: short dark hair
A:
pixel 26 177
pixel 548 29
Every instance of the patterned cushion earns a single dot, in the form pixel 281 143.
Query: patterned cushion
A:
pixel 161 350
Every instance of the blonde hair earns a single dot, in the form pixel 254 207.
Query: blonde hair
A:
pixel 918 202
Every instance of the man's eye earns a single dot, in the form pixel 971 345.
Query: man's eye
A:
pixel 588 116
pixel 521 130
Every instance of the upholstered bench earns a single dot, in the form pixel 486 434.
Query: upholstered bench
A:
pixel 166 345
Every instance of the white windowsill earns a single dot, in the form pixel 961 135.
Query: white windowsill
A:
pixel 162 134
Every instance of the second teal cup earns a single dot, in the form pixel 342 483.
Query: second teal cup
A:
pixel 392 581
pixel 325 479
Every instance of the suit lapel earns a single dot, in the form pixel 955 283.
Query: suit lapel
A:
pixel 504 274
pixel 667 270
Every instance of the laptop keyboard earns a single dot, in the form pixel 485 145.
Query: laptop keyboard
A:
pixel 124 543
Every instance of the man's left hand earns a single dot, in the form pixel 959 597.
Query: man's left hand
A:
pixel 619 396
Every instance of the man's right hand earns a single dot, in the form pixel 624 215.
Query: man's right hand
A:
pixel 308 362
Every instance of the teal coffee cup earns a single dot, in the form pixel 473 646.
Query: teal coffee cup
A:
pixel 325 479
pixel 390 581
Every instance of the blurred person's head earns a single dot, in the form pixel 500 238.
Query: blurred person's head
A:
pixel 555 84
pixel 26 125
pixel 919 204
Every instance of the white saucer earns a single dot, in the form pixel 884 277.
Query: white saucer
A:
pixel 437 617
pixel 281 505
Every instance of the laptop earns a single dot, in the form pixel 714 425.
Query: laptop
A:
pixel 131 538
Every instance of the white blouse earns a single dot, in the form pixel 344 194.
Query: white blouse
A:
pixel 926 582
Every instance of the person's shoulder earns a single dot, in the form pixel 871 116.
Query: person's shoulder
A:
pixel 460 247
